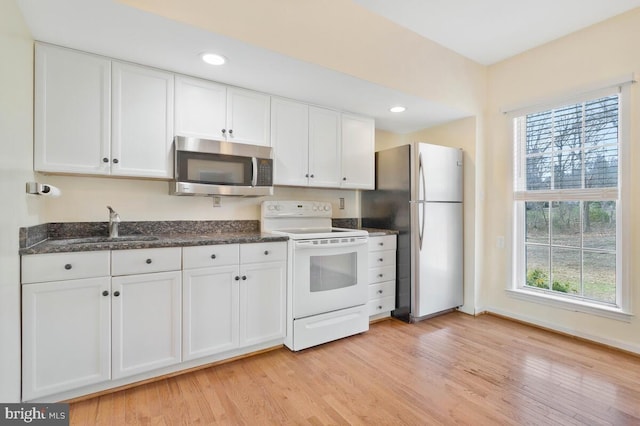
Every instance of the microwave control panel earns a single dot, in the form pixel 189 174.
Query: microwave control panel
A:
pixel 265 172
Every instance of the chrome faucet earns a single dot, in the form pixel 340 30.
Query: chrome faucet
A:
pixel 114 221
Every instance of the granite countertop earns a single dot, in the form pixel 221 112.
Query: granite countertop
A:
pixel 92 236
pixel 129 242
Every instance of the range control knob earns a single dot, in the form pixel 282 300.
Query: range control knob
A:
pixel 278 207
pixel 326 207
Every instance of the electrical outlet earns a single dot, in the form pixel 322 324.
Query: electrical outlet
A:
pixel 341 203
pixel 217 202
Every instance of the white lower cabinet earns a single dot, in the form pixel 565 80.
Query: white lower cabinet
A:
pixel 146 322
pixel 66 335
pixel 237 301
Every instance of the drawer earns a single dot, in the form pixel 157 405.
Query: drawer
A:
pixel 382 258
pixel 65 266
pixel 208 256
pixel 384 273
pixel 263 252
pixel 386 242
pixel 379 306
pixel 142 261
pixel 377 291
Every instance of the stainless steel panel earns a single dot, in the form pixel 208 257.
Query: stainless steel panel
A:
pixel 438 263
pixel 439 173
pixel 183 143
pixel 187 188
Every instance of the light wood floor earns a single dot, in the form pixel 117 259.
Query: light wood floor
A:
pixel 454 369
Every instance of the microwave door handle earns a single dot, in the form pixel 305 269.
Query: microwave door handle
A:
pixel 254 176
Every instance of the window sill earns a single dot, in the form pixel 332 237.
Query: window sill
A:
pixel 571 305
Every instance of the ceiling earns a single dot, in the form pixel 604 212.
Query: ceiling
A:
pixel 490 31
pixel 113 29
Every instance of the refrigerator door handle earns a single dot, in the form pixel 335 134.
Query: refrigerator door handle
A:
pixel 422 194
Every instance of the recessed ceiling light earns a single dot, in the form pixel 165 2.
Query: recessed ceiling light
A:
pixel 213 59
pixel 398 109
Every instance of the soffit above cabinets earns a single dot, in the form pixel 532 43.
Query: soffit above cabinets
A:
pixel 115 30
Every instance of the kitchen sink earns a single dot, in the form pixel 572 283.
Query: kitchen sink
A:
pixel 121 239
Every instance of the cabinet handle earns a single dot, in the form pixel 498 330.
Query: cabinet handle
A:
pixel 105 160
pixel 381 244
pixel 224 131
pixel 344 178
pixel 379 291
pixel 67 266
pixel 379 307
pixel 381 260
pixel 116 293
pixel 231 132
pixel 115 161
pixel 307 175
pixel 213 256
pixel 244 278
pixel 105 293
pixel 266 252
pixel 149 261
pixel 312 176
pixel 380 275
pixel 237 278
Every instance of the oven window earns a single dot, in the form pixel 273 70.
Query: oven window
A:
pixel 214 169
pixel 331 272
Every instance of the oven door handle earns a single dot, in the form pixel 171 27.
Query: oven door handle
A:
pixel 310 245
pixel 254 171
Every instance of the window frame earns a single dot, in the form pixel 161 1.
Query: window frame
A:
pixel 517 288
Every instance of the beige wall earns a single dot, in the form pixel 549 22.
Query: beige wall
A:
pixel 343 36
pixel 599 53
pixel 18 209
pixel 86 198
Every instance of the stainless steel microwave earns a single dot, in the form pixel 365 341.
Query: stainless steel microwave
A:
pixel 209 167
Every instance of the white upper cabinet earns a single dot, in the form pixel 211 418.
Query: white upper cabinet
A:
pixel 201 108
pixel 324 147
pixel 358 152
pixel 213 111
pixel 248 117
pixel 290 141
pixel 72 111
pixel 142 122
pixel 95 116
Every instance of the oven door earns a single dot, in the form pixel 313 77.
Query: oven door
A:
pixel 328 275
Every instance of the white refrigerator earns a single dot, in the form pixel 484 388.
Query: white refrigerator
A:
pixel 419 194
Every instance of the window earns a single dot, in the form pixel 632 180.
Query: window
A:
pixel 568 201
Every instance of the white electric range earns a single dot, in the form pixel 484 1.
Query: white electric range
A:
pixel 327 273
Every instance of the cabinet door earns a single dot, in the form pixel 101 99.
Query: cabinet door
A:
pixel 262 302
pixel 200 108
pixel 290 141
pixel 146 311
pixel 248 117
pixel 210 304
pixel 358 152
pixel 324 147
pixel 142 116
pixel 66 335
pixel 72 111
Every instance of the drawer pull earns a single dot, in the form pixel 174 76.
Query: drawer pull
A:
pixel 105 293
pixel 67 266
pixel 379 307
pixel 266 252
pixel 380 275
pixel 381 260
pixel 380 244
pixel 149 261
pixel 213 256
pixel 116 293
pixel 379 291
